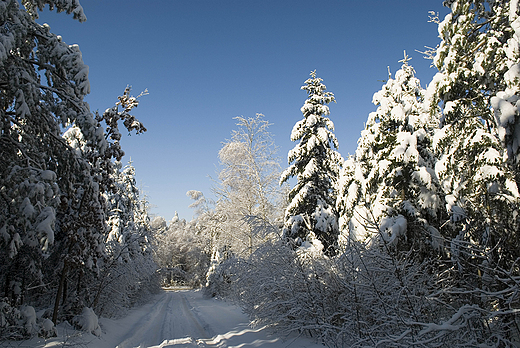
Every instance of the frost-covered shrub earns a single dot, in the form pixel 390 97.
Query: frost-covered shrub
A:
pixel 87 321
pixel 285 289
pixel 9 319
pixel 22 323
pixel 123 285
pixel 221 278
pixel 366 296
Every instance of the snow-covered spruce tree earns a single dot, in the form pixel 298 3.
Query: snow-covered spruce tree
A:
pixel 472 146
pixel 390 189
pixel 127 216
pixel 52 212
pixel 311 214
pixel 505 103
pixel 32 151
pixel 480 188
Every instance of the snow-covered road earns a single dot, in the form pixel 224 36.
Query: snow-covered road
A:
pixel 184 318
pixel 171 319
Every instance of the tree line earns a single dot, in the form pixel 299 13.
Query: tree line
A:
pixel 74 230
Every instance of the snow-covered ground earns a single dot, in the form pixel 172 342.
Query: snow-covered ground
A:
pixel 174 318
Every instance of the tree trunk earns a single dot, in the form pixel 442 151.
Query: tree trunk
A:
pixel 64 292
pixel 60 291
pixel 6 289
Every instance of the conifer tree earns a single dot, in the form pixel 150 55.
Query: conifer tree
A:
pixel 311 214
pixel 474 140
pixel 391 184
pixel 128 222
pixel 505 102
pixel 475 150
pixel 128 264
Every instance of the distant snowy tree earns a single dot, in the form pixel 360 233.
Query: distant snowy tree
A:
pixel 390 188
pixel 127 215
pixel 158 223
pixel 311 214
pixel 207 222
pixel 181 253
pixel 128 266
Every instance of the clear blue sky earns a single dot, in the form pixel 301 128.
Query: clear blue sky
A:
pixel 205 62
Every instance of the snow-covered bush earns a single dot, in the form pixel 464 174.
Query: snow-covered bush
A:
pixel 221 277
pixel 88 321
pixel 47 329
pixel 365 296
pixel 124 284
pixel 20 323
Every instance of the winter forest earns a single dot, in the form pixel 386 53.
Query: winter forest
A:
pixel 414 240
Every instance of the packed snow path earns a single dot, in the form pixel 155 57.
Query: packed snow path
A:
pixel 184 318
pixel 171 317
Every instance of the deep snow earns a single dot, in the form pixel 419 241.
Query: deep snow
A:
pixel 173 318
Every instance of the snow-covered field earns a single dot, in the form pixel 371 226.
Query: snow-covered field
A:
pixel 174 318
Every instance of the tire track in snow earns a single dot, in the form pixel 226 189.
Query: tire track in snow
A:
pixel 181 319
pixel 163 322
pixel 160 327
pixel 195 318
pixel 139 334
pixel 167 325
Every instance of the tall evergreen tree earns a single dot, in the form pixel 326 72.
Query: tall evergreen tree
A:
pixel 475 150
pixel 390 188
pixel 311 214
pixel 32 152
pixel 128 222
pixel 471 146
pixel 505 102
